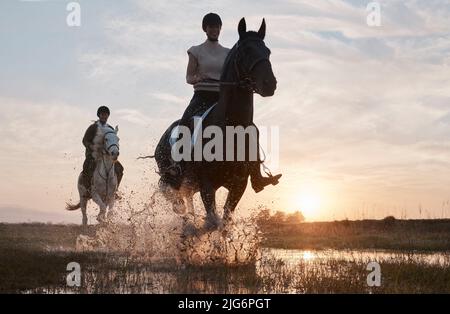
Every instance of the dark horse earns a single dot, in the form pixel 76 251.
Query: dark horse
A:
pixel 247 69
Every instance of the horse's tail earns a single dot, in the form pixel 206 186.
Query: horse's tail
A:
pixel 72 207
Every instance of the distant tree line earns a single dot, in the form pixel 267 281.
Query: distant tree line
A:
pixel 265 217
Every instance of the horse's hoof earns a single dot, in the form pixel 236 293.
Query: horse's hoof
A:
pixel 212 222
pixel 210 226
pixel 84 230
pixel 190 230
pixel 111 215
pixel 179 209
pixel 227 219
pixel 101 219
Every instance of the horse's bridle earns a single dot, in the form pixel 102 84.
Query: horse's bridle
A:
pixel 244 79
pixel 112 145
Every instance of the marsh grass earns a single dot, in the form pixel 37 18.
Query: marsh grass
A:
pixel 388 234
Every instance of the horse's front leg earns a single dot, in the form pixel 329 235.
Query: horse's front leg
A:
pixel 190 206
pixel 208 194
pixel 98 200
pixel 111 204
pixel 234 196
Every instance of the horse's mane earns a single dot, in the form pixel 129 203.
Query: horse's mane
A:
pixel 227 62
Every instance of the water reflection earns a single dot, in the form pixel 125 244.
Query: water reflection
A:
pixel 316 256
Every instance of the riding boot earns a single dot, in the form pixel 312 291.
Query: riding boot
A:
pixel 258 181
pixel 256 178
pixel 118 168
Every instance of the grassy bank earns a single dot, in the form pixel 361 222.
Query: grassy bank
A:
pixel 389 234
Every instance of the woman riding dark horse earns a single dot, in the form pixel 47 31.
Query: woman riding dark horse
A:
pixel 247 70
pixel 203 71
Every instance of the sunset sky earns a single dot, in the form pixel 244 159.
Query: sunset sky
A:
pixel 363 112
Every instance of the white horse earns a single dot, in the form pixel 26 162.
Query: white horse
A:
pixel 104 181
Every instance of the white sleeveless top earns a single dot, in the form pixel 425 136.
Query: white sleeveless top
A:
pixel 210 57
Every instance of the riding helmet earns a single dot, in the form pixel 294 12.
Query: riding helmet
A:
pixel 211 19
pixel 103 109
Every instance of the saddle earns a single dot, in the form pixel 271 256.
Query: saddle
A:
pixel 200 115
pixel 173 173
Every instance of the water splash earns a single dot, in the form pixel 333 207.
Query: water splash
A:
pixel 153 232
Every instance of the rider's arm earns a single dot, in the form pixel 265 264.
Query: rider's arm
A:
pixel 89 135
pixel 192 70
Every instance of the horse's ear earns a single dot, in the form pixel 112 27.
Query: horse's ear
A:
pixel 262 29
pixel 242 27
pixel 117 129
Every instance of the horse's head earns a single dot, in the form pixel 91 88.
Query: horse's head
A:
pixel 253 61
pixel 111 143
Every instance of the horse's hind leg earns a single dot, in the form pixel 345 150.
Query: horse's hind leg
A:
pixel 83 206
pixel 233 198
pixel 84 197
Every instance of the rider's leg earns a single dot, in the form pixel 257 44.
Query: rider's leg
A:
pixel 256 178
pixel 193 107
pixel 88 172
pixel 118 168
pixel 199 103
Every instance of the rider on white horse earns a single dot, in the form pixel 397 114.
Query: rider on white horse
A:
pixel 103 114
pixel 101 170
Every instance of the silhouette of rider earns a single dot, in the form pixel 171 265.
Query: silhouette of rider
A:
pixel 203 71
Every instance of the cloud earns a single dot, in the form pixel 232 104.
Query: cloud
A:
pixel 133 116
pixel 362 109
pixel 169 98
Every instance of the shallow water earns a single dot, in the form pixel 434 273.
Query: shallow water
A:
pixel 276 271
pixel 293 257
